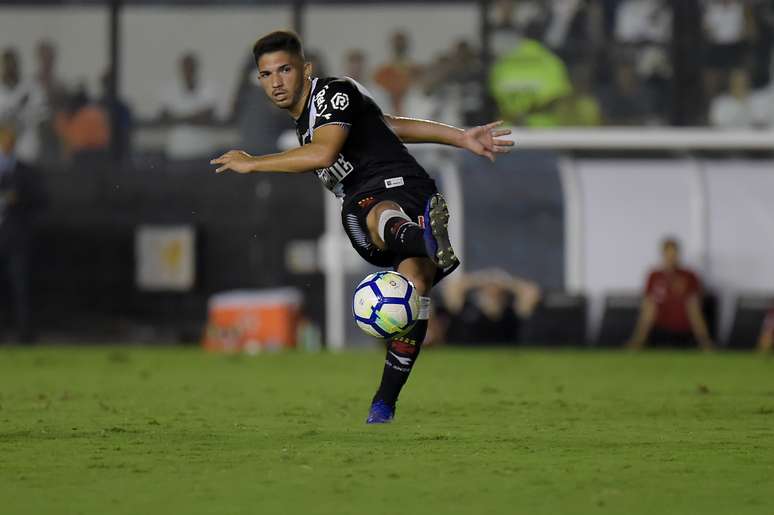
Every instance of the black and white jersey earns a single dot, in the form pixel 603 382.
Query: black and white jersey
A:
pixel 373 157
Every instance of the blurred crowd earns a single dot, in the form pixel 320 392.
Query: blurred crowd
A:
pixel 612 62
pixel 56 121
pixel 557 63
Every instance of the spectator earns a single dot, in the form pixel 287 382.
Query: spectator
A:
pixel 763 20
pixel 19 200
pixel 733 110
pixel 580 108
pixel 55 96
pixel 726 27
pixel 511 21
pixel 188 106
pixel 260 124
pixel 643 21
pixel 671 312
pixel 627 102
pixel 485 307
pixel 573 29
pixel 397 76
pixel 643 31
pixel 356 67
pixel 84 127
pixel 119 117
pixel 22 101
pixel 464 76
pixel 527 82
pixel 762 106
pixel 431 96
pixel 766 339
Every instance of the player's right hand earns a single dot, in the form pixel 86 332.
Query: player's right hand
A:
pixel 235 160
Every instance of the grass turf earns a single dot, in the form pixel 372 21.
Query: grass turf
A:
pixel 139 430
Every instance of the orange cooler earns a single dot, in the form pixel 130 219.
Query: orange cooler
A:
pixel 252 320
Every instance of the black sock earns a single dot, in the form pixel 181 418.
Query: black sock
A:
pixel 404 237
pixel 402 353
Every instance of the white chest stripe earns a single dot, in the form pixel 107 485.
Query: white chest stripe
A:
pixel 312 109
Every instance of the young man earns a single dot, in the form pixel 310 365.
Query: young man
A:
pixel 671 313
pixel 392 211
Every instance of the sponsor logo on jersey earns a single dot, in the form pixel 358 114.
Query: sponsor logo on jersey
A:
pixel 319 98
pixel 332 175
pixel 366 202
pixel 403 347
pixel 340 101
pixel 393 182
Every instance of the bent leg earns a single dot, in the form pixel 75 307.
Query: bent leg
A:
pixel 391 228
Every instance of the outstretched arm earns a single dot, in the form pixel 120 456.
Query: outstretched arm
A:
pixel 484 140
pixel 320 153
pixel 644 324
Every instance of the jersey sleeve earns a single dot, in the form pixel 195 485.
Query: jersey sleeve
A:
pixel 336 103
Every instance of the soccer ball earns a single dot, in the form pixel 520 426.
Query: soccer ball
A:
pixel 385 305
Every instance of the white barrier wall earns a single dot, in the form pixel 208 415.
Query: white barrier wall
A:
pixel 721 210
pixel 740 201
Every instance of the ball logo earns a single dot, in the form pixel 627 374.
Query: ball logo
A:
pixel 340 101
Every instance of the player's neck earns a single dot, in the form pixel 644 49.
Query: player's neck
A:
pixel 296 110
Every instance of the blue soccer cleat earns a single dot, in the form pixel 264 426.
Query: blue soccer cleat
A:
pixel 381 413
pixel 436 233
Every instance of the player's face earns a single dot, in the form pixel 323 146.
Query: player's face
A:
pixel 282 77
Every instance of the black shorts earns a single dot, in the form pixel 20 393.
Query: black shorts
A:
pixel 412 197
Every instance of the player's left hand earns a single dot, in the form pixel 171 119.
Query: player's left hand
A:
pixel 485 140
pixel 237 160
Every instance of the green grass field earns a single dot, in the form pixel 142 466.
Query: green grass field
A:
pixel 127 430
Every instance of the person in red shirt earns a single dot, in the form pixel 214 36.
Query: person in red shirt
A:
pixel 671 310
pixel 766 339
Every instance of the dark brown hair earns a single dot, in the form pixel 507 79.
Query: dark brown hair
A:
pixel 279 40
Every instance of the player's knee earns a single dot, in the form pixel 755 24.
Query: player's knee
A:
pixel 375 218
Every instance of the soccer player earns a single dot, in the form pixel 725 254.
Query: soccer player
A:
pixel 391 210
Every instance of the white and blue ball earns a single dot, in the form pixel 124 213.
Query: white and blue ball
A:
pixel 385 305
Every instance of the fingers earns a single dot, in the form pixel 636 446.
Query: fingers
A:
pixel 492 125
pixel 500 132
pixel 503 143
pixel 223 157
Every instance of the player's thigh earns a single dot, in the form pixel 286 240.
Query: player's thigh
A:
pixel 372 220
pixel 420 271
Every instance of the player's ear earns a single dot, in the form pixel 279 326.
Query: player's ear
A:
pixel 307 70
